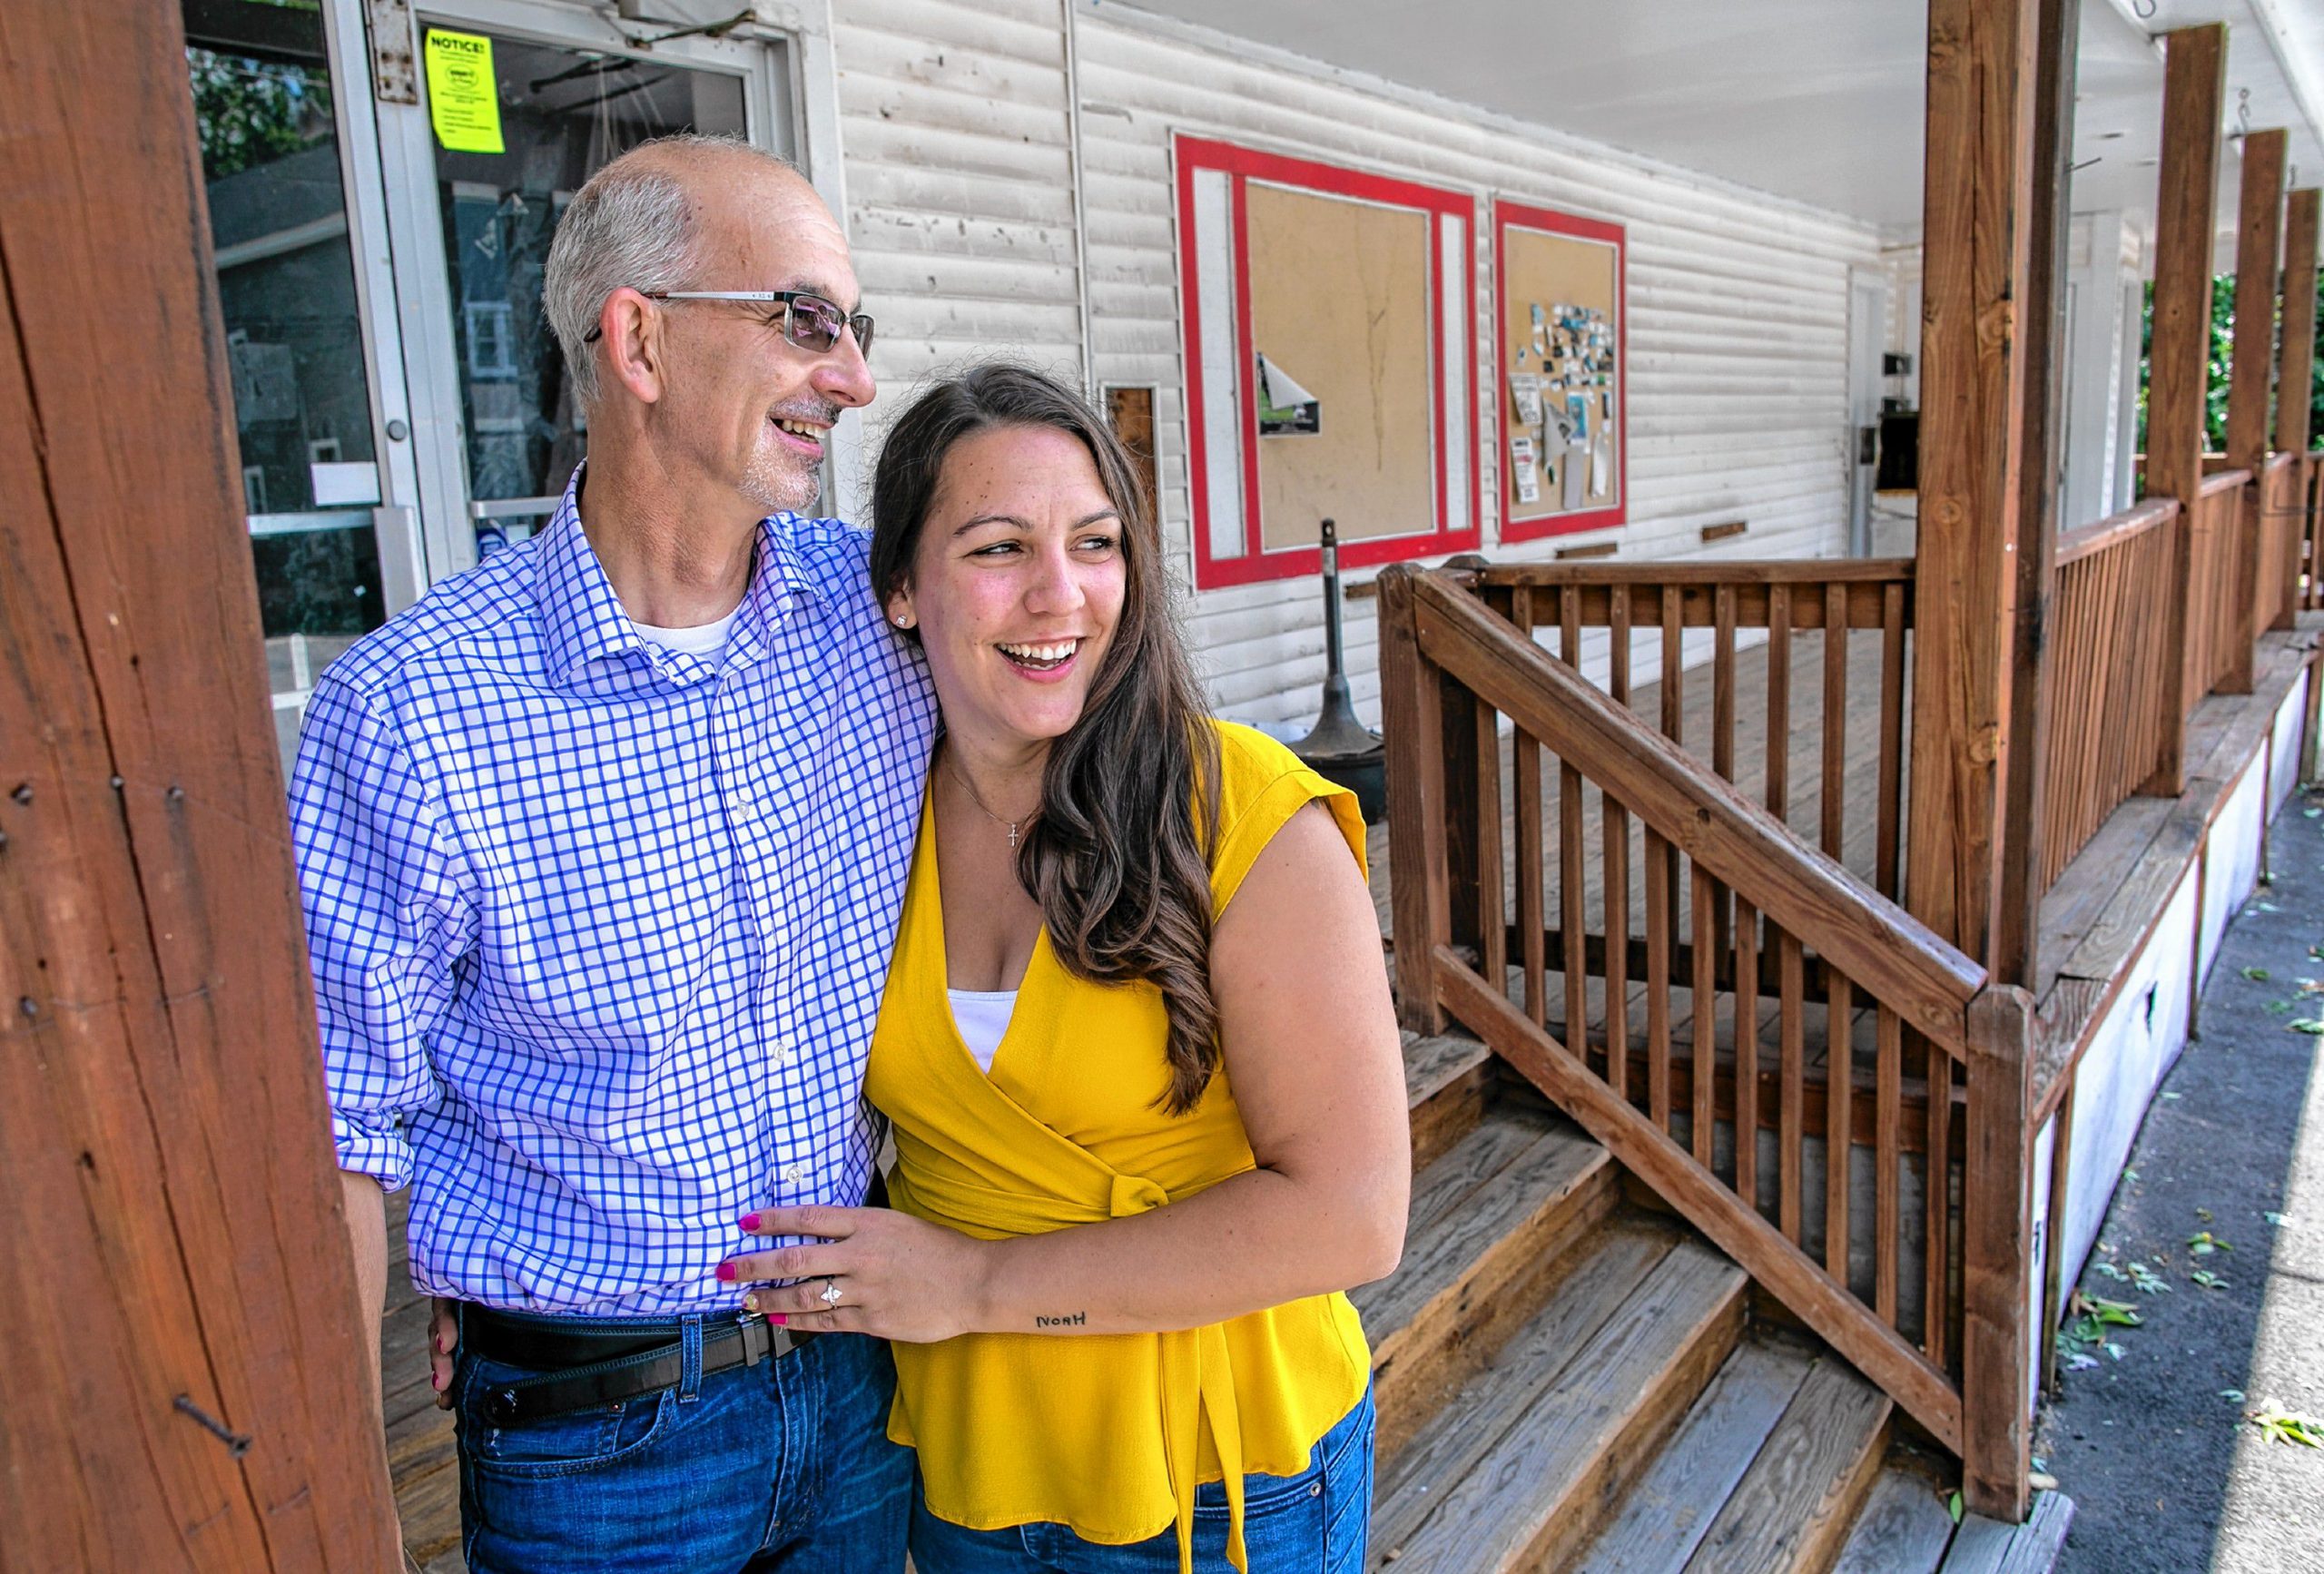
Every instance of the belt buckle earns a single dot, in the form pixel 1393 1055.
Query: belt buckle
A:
pixel 779 1340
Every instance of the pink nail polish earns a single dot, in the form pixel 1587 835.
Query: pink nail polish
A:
pixel 778 1319
pixel 750 1221
pixel 435 1381
pixel 726 1273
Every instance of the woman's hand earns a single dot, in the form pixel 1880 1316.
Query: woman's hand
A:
pixel 897 1277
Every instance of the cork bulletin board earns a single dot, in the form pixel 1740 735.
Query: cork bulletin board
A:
pixel 1560 330
pixel 1339 299
pixel 1330 363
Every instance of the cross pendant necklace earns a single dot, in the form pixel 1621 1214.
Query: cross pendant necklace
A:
pixel 969 788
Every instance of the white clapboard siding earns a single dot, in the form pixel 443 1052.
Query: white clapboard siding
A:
pixel 959 168
pixel 959 173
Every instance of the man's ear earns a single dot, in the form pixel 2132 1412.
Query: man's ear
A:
pixel 635 353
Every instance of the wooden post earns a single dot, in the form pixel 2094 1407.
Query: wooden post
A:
pixel 2257 234
pixel 1412 723
pixel 1997 1255
pixel 2194 73
pixel 2041 339
pixel 188 1385
pixel 2292 412
pixel 2000 106
pixel 1978 255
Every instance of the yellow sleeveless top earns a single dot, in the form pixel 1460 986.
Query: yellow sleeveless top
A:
pixel 1106 1433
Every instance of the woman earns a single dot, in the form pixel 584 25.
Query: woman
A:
pixel 1137 1043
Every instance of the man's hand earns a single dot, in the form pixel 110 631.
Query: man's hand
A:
pixel 443 1342
pixel 897 1277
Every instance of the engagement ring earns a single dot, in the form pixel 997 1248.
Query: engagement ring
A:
pixel 831 1293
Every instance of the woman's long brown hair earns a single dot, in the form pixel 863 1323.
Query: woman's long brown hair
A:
pixel 1118 855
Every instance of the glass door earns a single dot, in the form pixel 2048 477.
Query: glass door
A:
pixel 521 101
pixel 330 551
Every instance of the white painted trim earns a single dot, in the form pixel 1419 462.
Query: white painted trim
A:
pixel 403 559
pixel 1080 203
pixel 1455 337
pixel 1222 375
pixel 2300 70
pixel 814 80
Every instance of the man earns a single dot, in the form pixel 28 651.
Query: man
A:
pixel 602 846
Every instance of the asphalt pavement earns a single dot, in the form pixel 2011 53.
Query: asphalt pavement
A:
pixel 2159 1431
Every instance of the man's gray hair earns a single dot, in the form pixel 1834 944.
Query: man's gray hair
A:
pixel 631 225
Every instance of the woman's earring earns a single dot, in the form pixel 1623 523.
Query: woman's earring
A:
pixel 902 621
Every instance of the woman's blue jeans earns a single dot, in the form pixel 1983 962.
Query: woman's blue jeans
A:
pixel 1315 1522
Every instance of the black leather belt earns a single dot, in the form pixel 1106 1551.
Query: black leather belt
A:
pixel 581 1368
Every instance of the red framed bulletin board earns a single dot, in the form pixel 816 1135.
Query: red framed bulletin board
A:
pixel 1325 236
pixel 1580 266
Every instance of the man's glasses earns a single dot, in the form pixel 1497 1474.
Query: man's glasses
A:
pixel 808 321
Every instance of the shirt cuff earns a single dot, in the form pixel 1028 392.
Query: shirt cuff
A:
pixel 373 1148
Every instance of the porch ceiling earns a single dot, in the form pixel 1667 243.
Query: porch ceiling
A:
pixel 1815 100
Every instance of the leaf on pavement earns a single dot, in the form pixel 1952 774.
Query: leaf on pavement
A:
pixel 2278 1424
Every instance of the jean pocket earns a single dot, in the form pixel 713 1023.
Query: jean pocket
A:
pixel 555 1445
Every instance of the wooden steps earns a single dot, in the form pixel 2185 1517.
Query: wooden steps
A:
pixel 1490 1224
pixel 1568 1380
pixel 1512 1471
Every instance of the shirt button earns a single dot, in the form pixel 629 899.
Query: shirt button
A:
pixel 783 1054
pixel 794 1172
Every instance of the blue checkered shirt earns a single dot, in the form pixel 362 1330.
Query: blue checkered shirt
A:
pixel 599 929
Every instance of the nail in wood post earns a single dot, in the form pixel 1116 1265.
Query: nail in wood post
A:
pixel 2194 77
pixel 1413 722
pixel 1997 1255
pixel 2257 234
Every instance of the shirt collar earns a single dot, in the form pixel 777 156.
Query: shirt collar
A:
pixel 583 621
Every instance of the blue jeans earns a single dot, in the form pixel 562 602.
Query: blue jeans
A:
pixel 1315 1522
pixel 782 1466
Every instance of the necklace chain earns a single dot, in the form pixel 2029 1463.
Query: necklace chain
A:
pixel 978 799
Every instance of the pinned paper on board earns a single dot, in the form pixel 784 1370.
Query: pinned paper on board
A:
pixel 1521 471
pixel 463 95
pixel 1525 392
pixel 1285 410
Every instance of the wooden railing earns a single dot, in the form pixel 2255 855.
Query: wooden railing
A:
pixel 2218 586
pixel 1850 1190
pixel 2308 488
pixel 1783 713
pixel 2282 500
pixel 2109 675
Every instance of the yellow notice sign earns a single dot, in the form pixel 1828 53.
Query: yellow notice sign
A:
pixel 463 98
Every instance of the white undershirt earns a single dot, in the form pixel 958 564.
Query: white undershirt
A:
pixel 703 640
pixel 982 1016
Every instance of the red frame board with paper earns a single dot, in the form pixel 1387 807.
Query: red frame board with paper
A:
pixel 1560 322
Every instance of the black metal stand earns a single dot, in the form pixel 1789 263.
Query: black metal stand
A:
pixel 1341 748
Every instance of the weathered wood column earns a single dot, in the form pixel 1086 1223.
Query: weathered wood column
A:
pixel 2178 362
pixel 1986 343
pixel 2293 412
pixel 2258 236
pixel 186 1385
pixel 2293 381
pixel 2000 109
